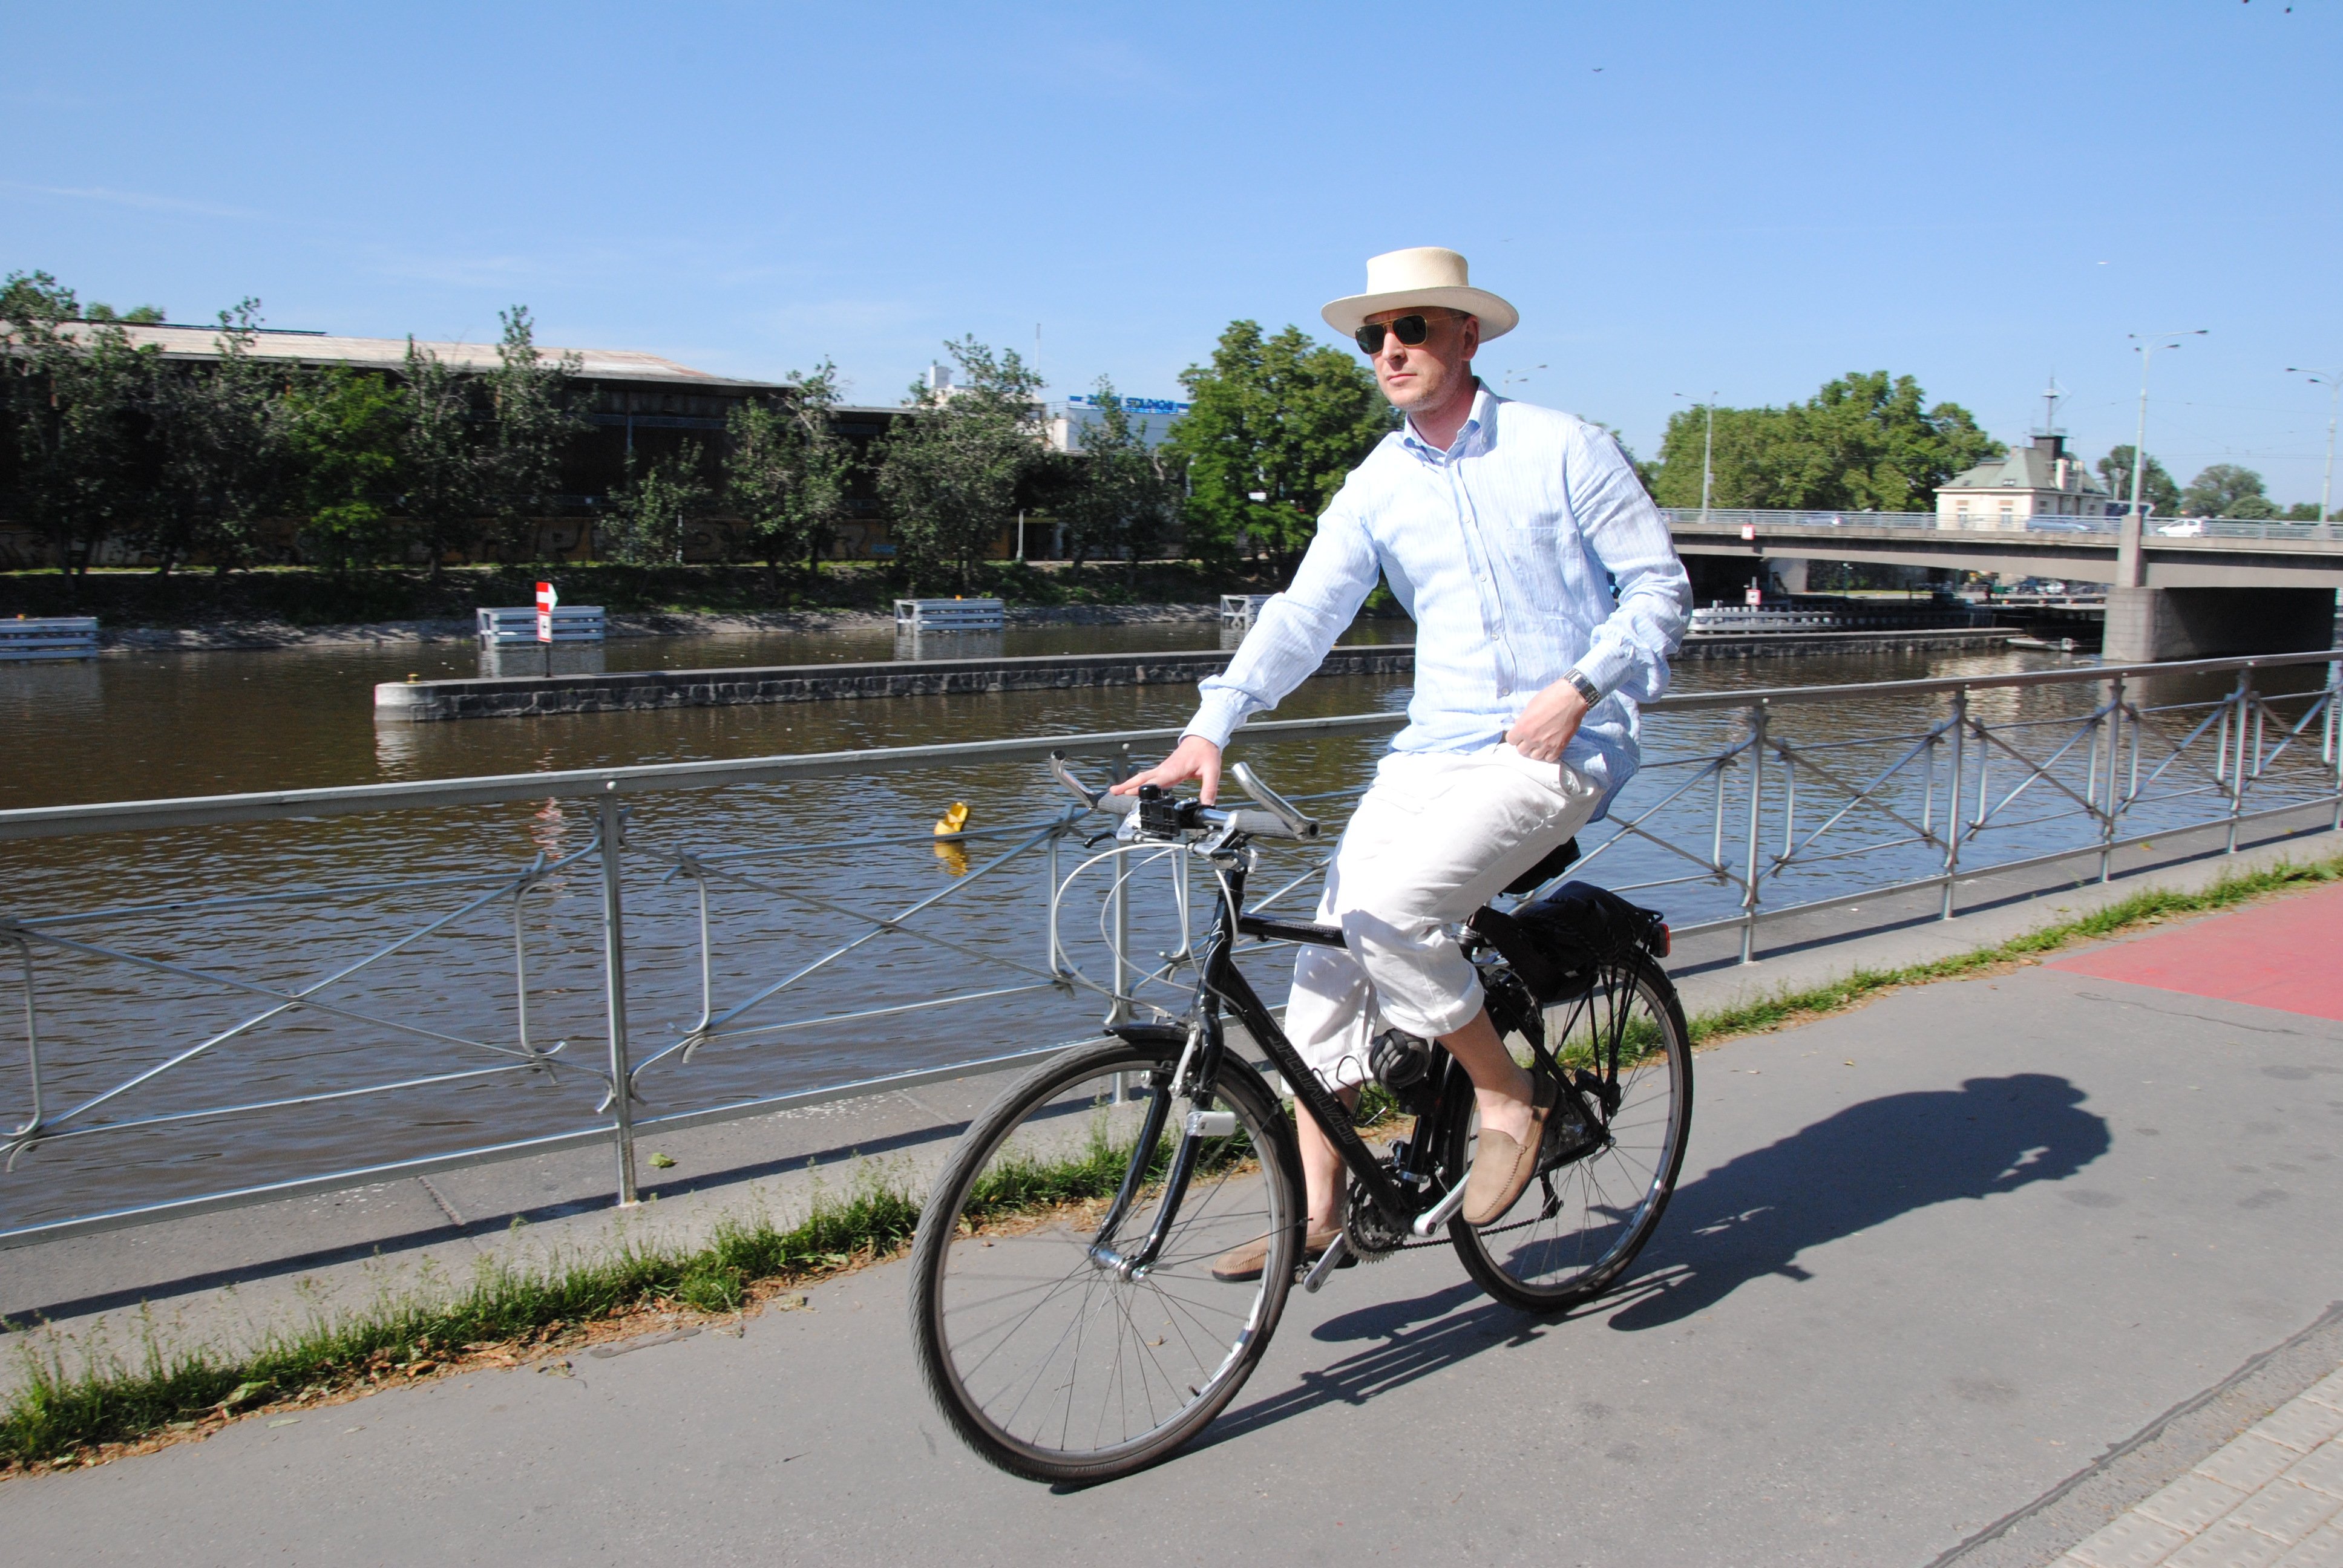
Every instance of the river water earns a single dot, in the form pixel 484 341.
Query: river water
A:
pixel 159 976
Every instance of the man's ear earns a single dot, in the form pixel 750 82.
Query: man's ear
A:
pixel 1472 339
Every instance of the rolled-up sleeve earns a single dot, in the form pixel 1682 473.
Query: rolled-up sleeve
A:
pixel 1629 650
pixel 1294 629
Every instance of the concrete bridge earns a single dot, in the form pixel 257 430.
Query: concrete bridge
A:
pixel 2227 587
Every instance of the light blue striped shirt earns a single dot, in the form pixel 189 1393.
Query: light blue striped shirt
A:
pixel 1525 549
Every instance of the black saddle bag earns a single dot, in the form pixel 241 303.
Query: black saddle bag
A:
pixel 1556 944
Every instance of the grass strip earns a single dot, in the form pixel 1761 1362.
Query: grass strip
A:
pixel 61 1416
pixel 508 1311
pixel 2150 907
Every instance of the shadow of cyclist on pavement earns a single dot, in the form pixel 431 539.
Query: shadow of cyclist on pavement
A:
pixel 1754 1214
pixel 1750 1217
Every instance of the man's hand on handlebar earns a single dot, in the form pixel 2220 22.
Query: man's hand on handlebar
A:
pixel 1194 757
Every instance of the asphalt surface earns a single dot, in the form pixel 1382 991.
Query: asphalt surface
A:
pixel 1927 1260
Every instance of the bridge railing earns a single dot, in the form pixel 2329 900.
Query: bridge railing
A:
pixel 2159 530
pixel 219 1001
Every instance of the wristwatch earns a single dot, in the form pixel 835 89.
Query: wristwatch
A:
pixel 1586 688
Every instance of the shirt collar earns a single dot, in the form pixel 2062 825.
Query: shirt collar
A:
pixel 1472 438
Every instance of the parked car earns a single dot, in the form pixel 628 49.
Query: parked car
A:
pixel 2187 529
pixel 2055 524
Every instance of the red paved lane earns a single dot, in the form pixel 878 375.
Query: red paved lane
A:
pixel 2287 954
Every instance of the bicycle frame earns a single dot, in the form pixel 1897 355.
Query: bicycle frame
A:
pixel 1221 983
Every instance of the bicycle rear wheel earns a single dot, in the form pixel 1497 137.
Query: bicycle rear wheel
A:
pixel 1048 1364
pixel 1576 1227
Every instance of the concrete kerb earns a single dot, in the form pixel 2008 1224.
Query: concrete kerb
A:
pixel 228 1280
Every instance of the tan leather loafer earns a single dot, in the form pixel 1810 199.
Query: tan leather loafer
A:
pixel 1239 1264
pixel 1502 1168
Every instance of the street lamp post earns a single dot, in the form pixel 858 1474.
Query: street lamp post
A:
pixel 2333 381
pixel 2128 546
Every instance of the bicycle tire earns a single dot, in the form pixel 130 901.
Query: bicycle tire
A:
pixel 1573 1233
pixel 1006 1301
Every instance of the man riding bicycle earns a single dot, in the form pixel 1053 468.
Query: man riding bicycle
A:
pixel 1547 598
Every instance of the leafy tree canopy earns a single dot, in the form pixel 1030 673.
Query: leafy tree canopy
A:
pixel 651 515
pixel 1285 419
pixel 1865 442
pixel 2158 491
pixel 78 405
pixel 343 431
pixel 2226 490
pixel 953 467
pixel 785 471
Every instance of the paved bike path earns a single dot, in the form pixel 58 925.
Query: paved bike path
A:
pixel 1927 1260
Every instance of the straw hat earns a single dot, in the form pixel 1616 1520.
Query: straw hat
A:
pixel 1425 275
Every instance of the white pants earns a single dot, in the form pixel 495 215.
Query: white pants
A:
pixel 1437 836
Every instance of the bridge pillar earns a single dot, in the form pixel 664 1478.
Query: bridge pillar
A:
pixel 2148 623
pixel 1789 573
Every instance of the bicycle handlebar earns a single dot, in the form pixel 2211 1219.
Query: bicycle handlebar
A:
pixel 1272 823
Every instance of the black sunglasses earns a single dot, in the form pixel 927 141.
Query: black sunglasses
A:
pixel 1409 329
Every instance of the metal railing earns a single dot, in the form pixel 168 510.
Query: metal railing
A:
pixel 2161 529
pixel 707 956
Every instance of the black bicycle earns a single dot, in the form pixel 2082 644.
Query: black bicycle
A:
pixel 1063 1305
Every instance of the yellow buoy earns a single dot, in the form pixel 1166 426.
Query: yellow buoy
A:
pixel 948 827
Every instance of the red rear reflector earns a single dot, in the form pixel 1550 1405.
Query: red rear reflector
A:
pixel 1667 939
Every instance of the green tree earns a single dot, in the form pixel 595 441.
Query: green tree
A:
pixel 439 466
pixel 2300 512
pixel 223 429
pixel 342 430
pixel 1123 500
pixel 952 467
pixel 76 399
pixel 1864 442
pixel 651 514
pixel 138 316
pixel 531 423
pixel 2226 490
pixel 2158 491
pixel 1285 419
pixel 785 473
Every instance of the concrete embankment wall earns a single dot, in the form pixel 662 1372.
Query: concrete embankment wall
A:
pixel 521 697
pixel 526 696
pixel 1797 645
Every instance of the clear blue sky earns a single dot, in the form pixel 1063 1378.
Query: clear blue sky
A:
pixel 1681 198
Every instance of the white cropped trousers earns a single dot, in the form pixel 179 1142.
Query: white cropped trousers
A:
pixel 1437 835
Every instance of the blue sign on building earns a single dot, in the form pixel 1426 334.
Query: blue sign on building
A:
pixel 1133 405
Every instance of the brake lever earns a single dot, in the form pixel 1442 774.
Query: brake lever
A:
pixel 1065 776
pixel 1277 805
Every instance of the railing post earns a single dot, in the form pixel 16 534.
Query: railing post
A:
pixel 613 972
pixel 33 1123
pixel 2334 733
pixel 1758 716
pixel 2115 796
pixel 1952 801
pixel 1120 1012
pixel 2239 703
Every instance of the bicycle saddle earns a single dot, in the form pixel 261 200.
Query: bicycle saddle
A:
pixel 1545 870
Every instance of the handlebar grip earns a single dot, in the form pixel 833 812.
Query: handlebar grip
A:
pixel 1116 805
pixel 1265 825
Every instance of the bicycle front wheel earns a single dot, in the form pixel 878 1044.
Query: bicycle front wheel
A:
pixel 1048 1363
pixel 1578 1225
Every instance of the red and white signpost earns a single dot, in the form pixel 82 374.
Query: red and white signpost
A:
pixel 546 599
